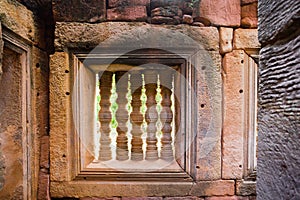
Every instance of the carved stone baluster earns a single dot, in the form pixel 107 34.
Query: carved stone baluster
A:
pixel 151 114
pixel 166 115
pixel 122 115
pixel 136 116
pixel 105 115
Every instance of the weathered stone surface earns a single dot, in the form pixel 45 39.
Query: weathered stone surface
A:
pixel 168 11
pixel 213 188
pixel 184 198
pixel 187 19
pixel 44 159
pixel 76 10
pixel 245 39
pixel 44 186
pixel 233 116
pixel 226 36
pixel 16 17
pixel 209 95
pixel 130 13
pixel 124 3
pixel 124 189
pixel 11 130
pixel 1 51
pixel 245 188
pixel 83 35
pixel 99 198
pixel 243 2
pixel 227 198
pixel 59 116
pixel 275 17
pixel 142 198
pixel 249 15
pixel 198 24
pixel 278 117
pixel 164 20
pixel 221 12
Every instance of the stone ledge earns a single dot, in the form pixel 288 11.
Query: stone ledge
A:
pixel 124 189
pixel 213 188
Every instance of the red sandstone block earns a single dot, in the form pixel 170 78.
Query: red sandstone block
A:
pixel 44 159
pixel 249 15
pixel 183 198
pixel 131 13
pixel 117 3
pixel 227 198
pixel 234 111
pixel 43 186
pixel 221 12
pixel 142 198
pixel 99 198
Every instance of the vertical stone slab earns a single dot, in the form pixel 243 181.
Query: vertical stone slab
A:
pixel 233 115
pixel 60 105
pixel 12 134
pixel 221 12
pixel 1 50
pixel 209 97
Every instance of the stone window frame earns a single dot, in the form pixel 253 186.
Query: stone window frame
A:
pixel 251 75
pixel 14 42
pixel 186 133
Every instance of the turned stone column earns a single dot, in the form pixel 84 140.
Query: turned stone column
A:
pixel 166 115
pixel 151 114
pixel 105 115
pixel 136 117
pixel 122 115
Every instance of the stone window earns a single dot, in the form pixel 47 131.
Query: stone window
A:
pixel 130 115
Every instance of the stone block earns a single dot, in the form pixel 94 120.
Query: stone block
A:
pixel 245 188
pixel 187 19
pixel 243 2
pixel 227 198
pixel 44 158
pixel 18 18
pixel 233 114
pixel 226 36
pixel 209 95
pixel 142 198
pixel 130 13
pixel 249 15
pixel 76 10
pixel 100 198
pixel 107 33
pixel 60 108
pixel 168 11
pixel 164 20
pixel 184 198
pixel 221 12
pixel 124 3
pixel 245 39
pixel 213 188
pixel 43 187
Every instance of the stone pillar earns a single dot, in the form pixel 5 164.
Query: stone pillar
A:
pixel 166 115
pixel 136 117
pixel 122 115
pixel 105 115
pixel 151 114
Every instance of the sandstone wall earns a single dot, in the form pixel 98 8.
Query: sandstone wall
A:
pixel 23 102
pixel 225 29
pixel 279 104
